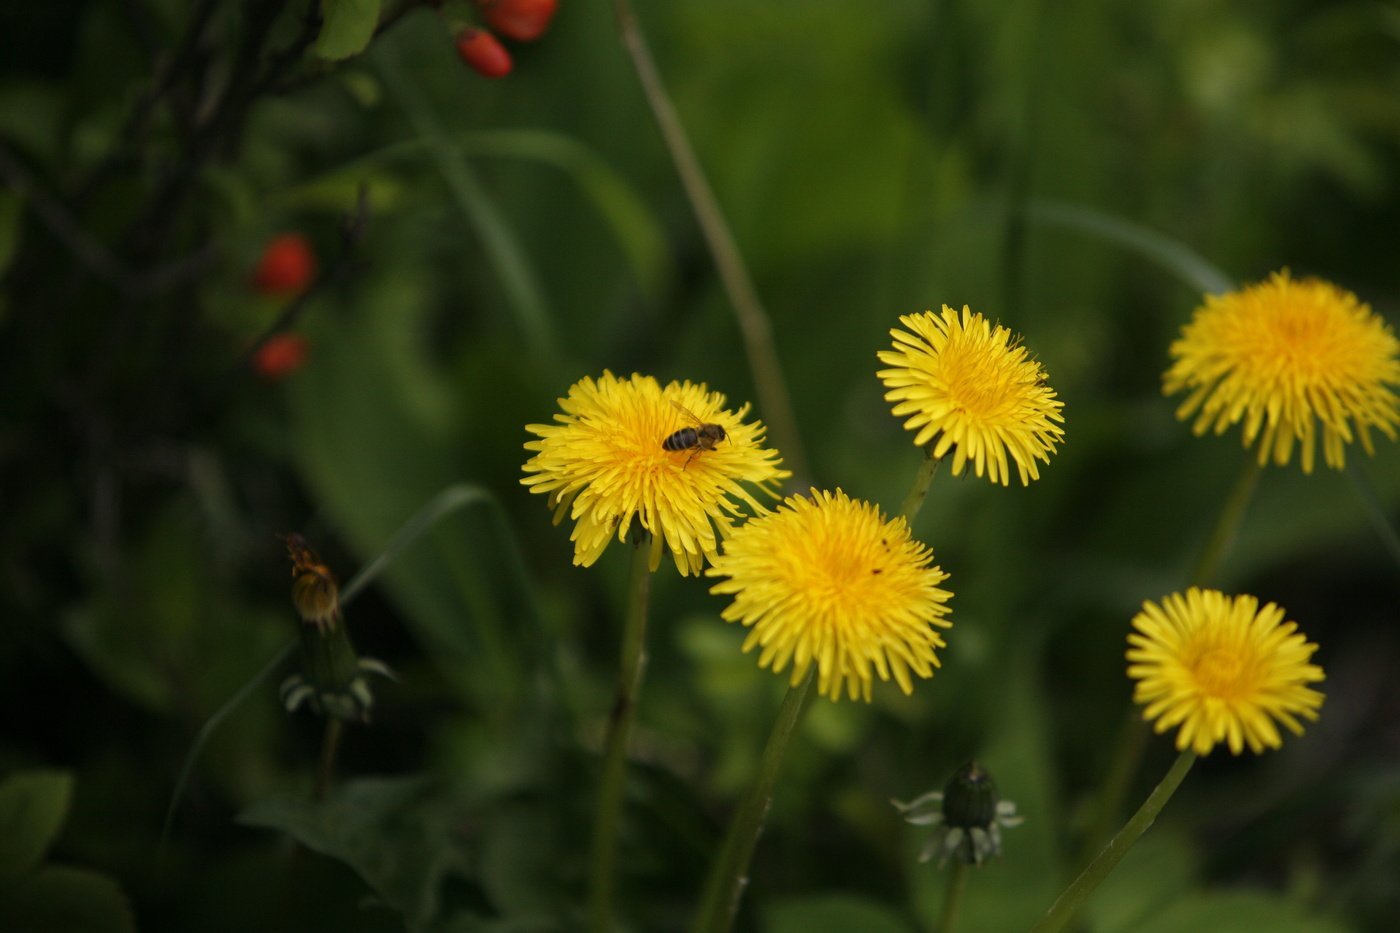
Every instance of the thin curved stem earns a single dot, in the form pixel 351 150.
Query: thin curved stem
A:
pixel 1227 525
pixel 729 877
pixel 755 326
pixel 1068 903
pixel 914 501
pixel 330 747
pixel 632 662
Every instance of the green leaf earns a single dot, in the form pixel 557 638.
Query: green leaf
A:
pixel 395 833
pixel 835 912
pixel 347 26
pixel 632 221
pixel 32 807
pixel 57 899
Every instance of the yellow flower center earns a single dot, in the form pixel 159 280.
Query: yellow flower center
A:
pixel 1298 342
pixel 975 390
pixel 1223 674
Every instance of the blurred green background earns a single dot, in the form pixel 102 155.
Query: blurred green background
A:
pixel 515 235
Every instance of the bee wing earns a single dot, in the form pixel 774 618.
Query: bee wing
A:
pixel 695 419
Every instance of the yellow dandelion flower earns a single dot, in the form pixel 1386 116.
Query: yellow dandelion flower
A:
pixel 1282 356
pixel 604 465
pixel 975 388
pixel 1222 669
pixel 827 580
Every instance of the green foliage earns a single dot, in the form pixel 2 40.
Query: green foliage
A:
pixel 32 808
pixel 832 913
pixel 347 26
pixel 1080 171
pixel 396 833
pixel 56 899
pixel 37 896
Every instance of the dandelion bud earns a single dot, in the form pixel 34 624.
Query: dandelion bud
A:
pixel 967 817
pixel 333 678
pixel 970 797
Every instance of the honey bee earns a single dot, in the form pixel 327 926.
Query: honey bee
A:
pixel 701 436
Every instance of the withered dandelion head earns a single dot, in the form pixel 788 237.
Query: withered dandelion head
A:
pixel 827 580
pixel 315 592
pixel 1284 356
pixel 603 464
pixel 971 387
pixel 1222 669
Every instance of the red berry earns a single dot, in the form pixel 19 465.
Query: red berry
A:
pixel 280 355
pixel 521 20
pixel 287 265
pixel 483 52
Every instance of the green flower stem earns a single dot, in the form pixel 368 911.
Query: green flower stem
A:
pixel 755 327
pixel 330 747
pixel 1227 525
pixel 1069 902
pixel 919 491
pixel 603 876
pixel 1132 737
pixel 952 901
pixel 729 876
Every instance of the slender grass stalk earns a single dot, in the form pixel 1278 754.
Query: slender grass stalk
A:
pixel 914 501
pixel 523 288
pixel 330 747
pixel 1375 512
pixel 1132 736
pixel 729 877
pixel 603 864
pixel 952 901
pixel 1227 525
pixel 755 327
pixel 1069 902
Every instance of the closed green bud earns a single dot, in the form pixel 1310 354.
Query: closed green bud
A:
pixel 970 797
pixel 966 817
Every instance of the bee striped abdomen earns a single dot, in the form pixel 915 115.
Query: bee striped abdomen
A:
pixel 684 439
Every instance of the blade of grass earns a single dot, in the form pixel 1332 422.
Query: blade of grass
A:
pixel 755 326
pixel 521 285
pixel 632 222
pixel 1172 255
